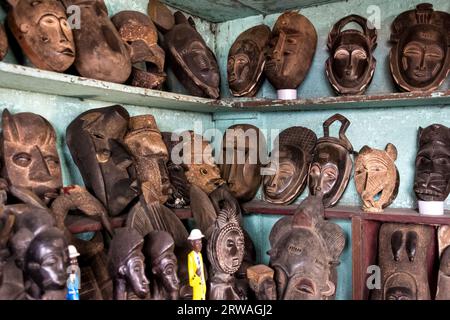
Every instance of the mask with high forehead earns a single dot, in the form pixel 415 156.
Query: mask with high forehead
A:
pixel 293 149
pixel 242 148
pixel 402 256
pixel 95 140
pixel 291 50
pixel 3 43
pixel 432 179
pixel 30 157
pixel 420 57
pixel 101 53
pixel 43 33
pixel 376 177
pixel 304 252
pixel 332 164
pixel 351 64
pixel 246 60
pixel 144 141
pixel 193 62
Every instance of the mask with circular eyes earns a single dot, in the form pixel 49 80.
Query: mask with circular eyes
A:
pixel 3 43
pixel 420 57
pixel 351 65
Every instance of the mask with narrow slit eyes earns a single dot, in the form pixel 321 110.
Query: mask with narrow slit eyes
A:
pixel 43 33
pixel 420 57
pixel 30 158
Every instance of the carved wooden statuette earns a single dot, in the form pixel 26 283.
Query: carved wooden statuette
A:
pixel 291 50
pixel 246 60
pixel 193 62
pixel 261 281
pixel 351 64
pixel 43 33
pixel 420 57
pixel 3 42
pixel 196 268
pixel 101 53
pixel 376 177
pixel 304 253
pixel 292 156
pixel 403 251
pixel 332 163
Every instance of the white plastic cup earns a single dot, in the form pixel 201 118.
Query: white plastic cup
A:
pixel 431 208
pixel 287 94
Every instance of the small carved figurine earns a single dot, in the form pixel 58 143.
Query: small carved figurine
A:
pixel 246 60
pixel 351 64
pixel 260 278
pixel 3 42
pixel 420 57
pixel 376 177
pixel 196 267
pixel 74 275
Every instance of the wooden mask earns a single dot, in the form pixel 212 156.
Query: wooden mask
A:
pixel 101 53
pixel 246 60
pixel 351 64
pixel 193 62
pixel 332 164
pixel 42 31
pixel 420 57
pixel 242 148
pixel 295 150
pixel 376 177
pixel 30 158
pixel 403 250
pixel 3 42
pixel 161 16
pixel 432 179
pixel 291 50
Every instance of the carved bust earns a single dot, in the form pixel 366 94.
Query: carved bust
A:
pixel 193 62
pixel 332 163
pixel 376 177
pixel 246 60
pixel 294 149
pixel 291 50
pixel 3 42
pixel 420 57
pixel 351 64
pixel 43 33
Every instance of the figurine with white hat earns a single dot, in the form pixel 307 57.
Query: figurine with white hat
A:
pixel 196 267
pixel 73 282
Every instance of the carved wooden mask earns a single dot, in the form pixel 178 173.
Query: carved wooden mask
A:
pixel 376 177
pixel 193 62
pixel 3 42
pixel 30 158
pixel 432 179
pixel 161 16
pixel 351 64
pixel 294 154
pixel 291 50
pixel 332 164
pixel 95 140
pixel 403 250
pixel 101 53
pixel 246 60
pixel 420 57
pixel 43 33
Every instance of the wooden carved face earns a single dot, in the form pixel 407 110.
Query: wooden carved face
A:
pixel 42 31
pixel 30 157
pixel 432 180
pixel 376 177
pixel 291 50
pixel 420 58
pixel 246 61
pixel 3 43
pixel 351 64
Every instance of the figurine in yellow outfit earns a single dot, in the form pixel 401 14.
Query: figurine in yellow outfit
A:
pixel 196 267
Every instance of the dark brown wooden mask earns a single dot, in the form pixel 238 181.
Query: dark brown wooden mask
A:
pixel 332 163
pixel 95 140
pixel 351 64
pixel 243 145
pixel 403 250
pixel 3 42
pixel 294 151
pixel 305 250
pixel 30 158
pixel 291 50
pixel 420 57
pixel 101 53
pixel 246 60
pixel 432 179
pixel 43 33
pixel 193 62
pixel 376 177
